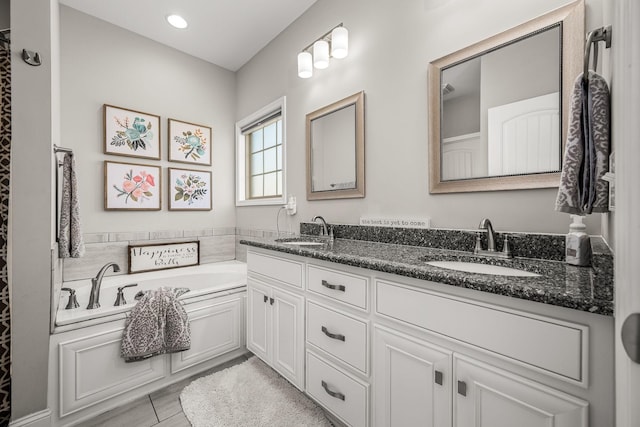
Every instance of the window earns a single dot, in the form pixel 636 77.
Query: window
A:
pixel 260 157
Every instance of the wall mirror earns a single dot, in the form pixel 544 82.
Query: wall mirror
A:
pixel 498 109
pixel 335 150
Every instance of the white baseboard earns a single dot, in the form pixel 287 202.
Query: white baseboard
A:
pixel 37 419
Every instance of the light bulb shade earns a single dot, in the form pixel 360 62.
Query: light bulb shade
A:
pixel 321 54
pixel 305 66
pixel 339 42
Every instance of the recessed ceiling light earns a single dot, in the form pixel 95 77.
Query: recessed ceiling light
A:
pixel 177 21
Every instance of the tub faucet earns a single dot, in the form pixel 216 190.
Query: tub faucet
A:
pixel 96 282
pixel 325 230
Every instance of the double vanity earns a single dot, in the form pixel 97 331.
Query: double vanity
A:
pixel 377 330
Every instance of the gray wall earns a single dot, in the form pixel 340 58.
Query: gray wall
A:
pixel 391 45
pixel 5 22
pixel 105 64
pixel 34 128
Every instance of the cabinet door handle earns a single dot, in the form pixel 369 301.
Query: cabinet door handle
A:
pixel 334 287
pixel 439 377
pixel 271 300
pixel 462 388
pixel 266 298
pixel 338 337
pixel 331 393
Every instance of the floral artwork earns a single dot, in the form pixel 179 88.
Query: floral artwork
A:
pixel 131 133
pixel 132 186
pixel 189 189
pixel 189 142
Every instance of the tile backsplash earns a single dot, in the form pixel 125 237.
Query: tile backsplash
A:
pixel 216 245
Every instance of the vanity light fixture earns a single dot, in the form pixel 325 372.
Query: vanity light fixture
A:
pixel 177 21
pixel 334 42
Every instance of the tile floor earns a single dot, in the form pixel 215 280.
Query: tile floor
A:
pixel 160 409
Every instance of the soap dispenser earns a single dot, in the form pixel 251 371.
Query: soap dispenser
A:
pixel 578 244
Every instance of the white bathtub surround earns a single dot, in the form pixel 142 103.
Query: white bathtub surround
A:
pixel 248 394
pixel 87 375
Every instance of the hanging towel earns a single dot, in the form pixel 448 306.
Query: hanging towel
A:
pixel 586 157
pixel 157 324
pixel 70 242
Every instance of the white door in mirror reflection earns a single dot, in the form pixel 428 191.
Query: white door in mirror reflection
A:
pixel 524 136
pixel 461 157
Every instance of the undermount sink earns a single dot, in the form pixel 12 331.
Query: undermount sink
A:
pixel 303 243
pixel 474 267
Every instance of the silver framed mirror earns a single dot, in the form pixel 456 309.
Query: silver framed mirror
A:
pixel 335 150
pixel 498 109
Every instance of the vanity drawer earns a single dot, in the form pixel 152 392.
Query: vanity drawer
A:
pixel 337 391
pixel 340 335
pixel 550 345
pixel 282 270
pixel 345 287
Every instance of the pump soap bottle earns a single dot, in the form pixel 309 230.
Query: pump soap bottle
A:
pixel 578 245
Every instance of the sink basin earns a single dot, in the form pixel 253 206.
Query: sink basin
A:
pixel 303 243
pixel 474 267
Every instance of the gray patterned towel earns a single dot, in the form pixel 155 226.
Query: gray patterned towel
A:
pixel 586 157
pixel 70 242
pixel 157 324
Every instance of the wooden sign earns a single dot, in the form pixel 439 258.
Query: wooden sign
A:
pixel 163 256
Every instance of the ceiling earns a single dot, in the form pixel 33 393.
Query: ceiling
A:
pixel 224 32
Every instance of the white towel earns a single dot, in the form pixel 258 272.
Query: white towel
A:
pixel 70 243
pixel 586 155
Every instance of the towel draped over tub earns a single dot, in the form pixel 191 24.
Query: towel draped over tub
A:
pixel 157 324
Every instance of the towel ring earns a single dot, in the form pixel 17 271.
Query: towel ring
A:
pixel 593 37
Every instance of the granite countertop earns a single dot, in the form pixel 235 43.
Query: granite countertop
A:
pixel 581 288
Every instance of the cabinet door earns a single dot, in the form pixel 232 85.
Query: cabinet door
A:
pixel 288 336
pixel 412 381
pixel 490 397
pixel 258 320
pixel 215 330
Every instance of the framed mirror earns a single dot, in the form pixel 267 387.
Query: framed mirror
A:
pixel 498 109
pixel 335 150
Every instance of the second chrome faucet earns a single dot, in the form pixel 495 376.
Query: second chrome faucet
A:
pixel 485 224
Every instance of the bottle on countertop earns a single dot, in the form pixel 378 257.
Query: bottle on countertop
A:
pixel 578 244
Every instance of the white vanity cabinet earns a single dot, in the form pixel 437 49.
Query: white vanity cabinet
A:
pixel 275 315
pixel 490 397
pixel 413 381
pixel 389 350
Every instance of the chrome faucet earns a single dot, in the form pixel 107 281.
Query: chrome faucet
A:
pixel 325 229
pixel 96 282
pixel 485 224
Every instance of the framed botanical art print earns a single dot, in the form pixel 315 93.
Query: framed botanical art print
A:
pixel 189 143
pixel 189 190
pixel 131 133
pixel 129 186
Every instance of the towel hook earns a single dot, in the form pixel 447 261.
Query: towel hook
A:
pixel 593 37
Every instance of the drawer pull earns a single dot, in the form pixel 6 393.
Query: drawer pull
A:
pixel 335 394
pixel 462 388
pixel 334 287
pixel 339 337
pixel 439 379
